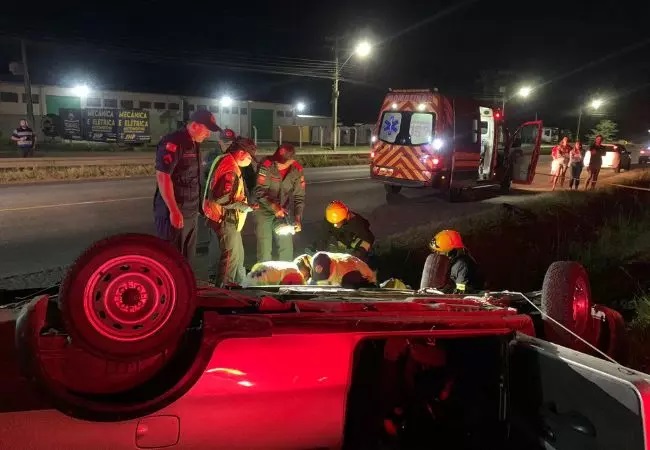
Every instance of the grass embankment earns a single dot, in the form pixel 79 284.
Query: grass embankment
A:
pixel 606 230
pixel 34 174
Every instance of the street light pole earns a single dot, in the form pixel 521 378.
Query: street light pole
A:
pixel 335 94
pixel 579 119
pixel 28 85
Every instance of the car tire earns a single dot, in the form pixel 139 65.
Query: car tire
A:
pixel 435 271
pixel 566 296
pixel 128 296
pixel 392 188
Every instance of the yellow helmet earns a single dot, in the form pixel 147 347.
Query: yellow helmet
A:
pixel 336 212
pixel 445 241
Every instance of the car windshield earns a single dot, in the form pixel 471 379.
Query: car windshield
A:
pixel 407 127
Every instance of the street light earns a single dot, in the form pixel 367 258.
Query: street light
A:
pixel 300 107
pixel 362 50
pixel 225 101
pixel 525 91
pixel 595 104
pixel 81 90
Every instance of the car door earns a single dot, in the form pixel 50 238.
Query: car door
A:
pixel 561 399
pixel 525 145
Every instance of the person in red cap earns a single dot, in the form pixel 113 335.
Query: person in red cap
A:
pixel 178 166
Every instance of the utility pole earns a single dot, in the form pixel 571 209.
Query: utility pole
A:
pixel 335 94
pixel 28 85
pixel 578 131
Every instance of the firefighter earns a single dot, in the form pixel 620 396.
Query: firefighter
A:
pixel 345 231
pixel 464 272
pixel 225 205
pixel 280 185
pixel 178 166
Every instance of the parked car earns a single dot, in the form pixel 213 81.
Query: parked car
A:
pixel 131 354
pixel 644 155
pixel 617 157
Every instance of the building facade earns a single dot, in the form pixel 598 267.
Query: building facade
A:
pixel 248 118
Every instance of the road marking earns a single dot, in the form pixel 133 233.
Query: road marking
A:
pixel 114 200
pixel 60 205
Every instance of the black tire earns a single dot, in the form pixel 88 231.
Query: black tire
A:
pixel 435 271
pixel 392 188
pixel 566 295
pixel 129 296
pixel 454 194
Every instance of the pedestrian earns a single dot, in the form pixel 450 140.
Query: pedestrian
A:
pixel 178 168
pixel 345 231
pixel 25 139
pixel 560 155
pixel 226 206
pixel 596 153
pixel 280 186
pixel 213 239
pixel 576 165
pixel 464 274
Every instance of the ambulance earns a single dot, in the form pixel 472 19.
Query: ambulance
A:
pixel 425 139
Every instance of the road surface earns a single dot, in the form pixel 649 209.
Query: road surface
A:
pixel 43 226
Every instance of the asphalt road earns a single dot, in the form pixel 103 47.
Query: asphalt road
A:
pixel 48 225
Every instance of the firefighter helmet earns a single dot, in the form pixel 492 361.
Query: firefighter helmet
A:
pixel 336 212
pixel 445 241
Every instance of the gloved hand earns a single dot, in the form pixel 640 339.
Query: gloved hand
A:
pixel 243 207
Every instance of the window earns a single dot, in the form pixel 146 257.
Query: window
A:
pixel 9 97
pixel 145 104
pixel 159 105
pixel 214 108
pixel 243 111
pixel 226 110
pixel 34 98
pixel 202 107
pixel 234 110
pixel 126 104
pixel 110 103
pixel 421 128
pixel 288 114
pixel 280 113
pixel 191 107
pixel 484 127
pixel 92 102
pixel 390 126
pixel 174 106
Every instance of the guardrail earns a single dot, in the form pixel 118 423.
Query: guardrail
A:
pixel 129 159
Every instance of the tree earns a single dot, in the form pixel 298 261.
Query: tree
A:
pixel 606 128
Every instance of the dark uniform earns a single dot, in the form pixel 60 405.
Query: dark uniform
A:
pixel 179 156
pixel 273 193
pixel 353 237
pixel 464 274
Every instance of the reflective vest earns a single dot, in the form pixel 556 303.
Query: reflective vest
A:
pixel 215 211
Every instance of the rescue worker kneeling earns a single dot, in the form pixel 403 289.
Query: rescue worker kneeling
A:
pixel 274 273
pixel 225 205
pixel 345 231
pixel 464 274
pixel 341 269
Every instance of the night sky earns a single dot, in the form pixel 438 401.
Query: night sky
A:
pixel 572 51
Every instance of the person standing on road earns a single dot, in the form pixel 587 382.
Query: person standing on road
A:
pixel 576 165
pixel 178 167
pixel 25 138
pixel 560 155
pixel 345 231
pixel 226 206
pixel 597 151
pixel 464 274
pixel 280 185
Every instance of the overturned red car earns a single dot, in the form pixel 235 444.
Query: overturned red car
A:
pixel 131 354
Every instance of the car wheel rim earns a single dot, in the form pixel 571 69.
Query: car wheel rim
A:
pixel 130 298
pixel 580 303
